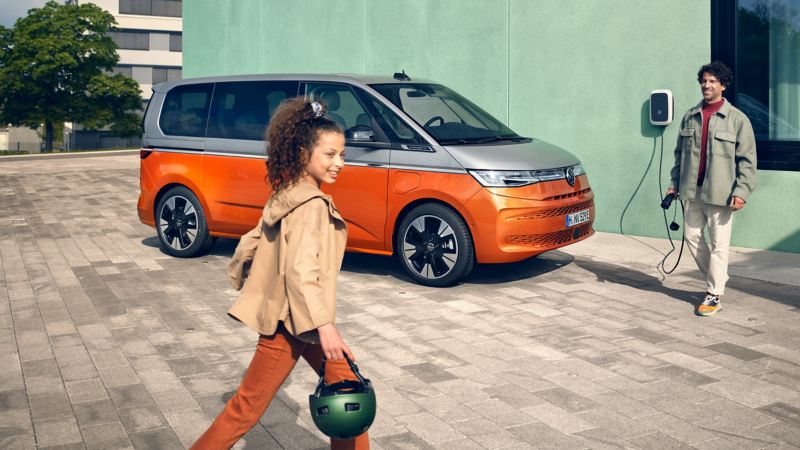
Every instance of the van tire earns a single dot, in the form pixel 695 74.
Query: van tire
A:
pixel 181 224
pixel 434 245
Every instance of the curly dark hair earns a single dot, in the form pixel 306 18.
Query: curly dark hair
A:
pixel 292 133
pixel 719 70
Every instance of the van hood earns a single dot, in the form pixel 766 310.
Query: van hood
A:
pixel 533 155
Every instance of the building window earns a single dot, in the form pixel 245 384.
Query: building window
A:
pixel 123 70
pixel 175 43
pixel 169 8
pixel 131 40
pixel 760 40
pixel 162 74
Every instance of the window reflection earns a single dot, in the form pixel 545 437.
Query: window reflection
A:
pixel 768 61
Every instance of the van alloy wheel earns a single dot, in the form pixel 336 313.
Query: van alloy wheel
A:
pixel 435 246
pixel 178 222
pixel 181 224
pixel 430 247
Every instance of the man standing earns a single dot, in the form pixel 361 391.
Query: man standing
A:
pixel 714 173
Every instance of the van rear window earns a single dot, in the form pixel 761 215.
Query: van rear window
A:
pixel 185 110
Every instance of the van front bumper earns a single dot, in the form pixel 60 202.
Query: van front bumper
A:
pixel 512 224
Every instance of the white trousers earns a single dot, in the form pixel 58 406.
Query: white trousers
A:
pixel 711 257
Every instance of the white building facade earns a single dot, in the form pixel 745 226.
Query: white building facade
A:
pixel 150 43
pixel 149 38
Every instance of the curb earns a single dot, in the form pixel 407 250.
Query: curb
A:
pixel 68 155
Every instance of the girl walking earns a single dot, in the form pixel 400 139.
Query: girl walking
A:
pixel 294 256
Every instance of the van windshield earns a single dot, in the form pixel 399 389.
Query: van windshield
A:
pixel 446 115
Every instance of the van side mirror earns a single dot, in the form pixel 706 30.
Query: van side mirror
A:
pixel 360 133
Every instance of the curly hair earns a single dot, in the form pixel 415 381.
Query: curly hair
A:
pixel 292 133
pixel 719 70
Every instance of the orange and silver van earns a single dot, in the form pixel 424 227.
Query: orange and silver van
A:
pixel 430 177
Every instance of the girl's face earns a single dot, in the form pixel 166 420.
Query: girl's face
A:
pixel 326 159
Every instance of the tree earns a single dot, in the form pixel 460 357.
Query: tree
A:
pixel 54 67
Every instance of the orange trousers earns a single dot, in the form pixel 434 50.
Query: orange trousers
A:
pixel 274 359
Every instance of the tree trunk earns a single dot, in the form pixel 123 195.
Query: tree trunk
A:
pixel 48 136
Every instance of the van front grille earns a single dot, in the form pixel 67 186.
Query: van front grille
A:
pixel 550 239
pixel 553 212
pixel 570 195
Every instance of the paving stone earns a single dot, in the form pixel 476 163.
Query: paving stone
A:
pixel 142 418
pixel 50 406
pixel 13 399
pixel 429 427
pixel 659 441
pixel 683 374
pixel 95 413
pixel 557 418
pixel 787 413
pixel 16 428
pixel 737 351
pixel 86 390
pixel 56 432
pixel 157 439
pixel 566 399
pixel 107 436
pixel 542 436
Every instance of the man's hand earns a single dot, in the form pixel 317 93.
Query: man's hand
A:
pixel 333 346
pixel 671 190
pixel 737 203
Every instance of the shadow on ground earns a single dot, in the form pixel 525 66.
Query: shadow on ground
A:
pixel 253 441
pixel 613 273
pixel 483 274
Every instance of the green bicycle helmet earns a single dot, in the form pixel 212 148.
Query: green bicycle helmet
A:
pixel 345 409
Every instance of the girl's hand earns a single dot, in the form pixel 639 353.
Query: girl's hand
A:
pixel 333 346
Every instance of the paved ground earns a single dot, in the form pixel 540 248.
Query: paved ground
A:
pixel 107 343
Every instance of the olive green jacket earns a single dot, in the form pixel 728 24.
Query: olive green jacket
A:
pixel 730 158
pixel 286 266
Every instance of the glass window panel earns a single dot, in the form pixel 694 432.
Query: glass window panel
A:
pixel 141 7
pixel 242 110
pixel 342 105
pixel 159 75
pixel 768 75
pixel 131 40
pixel 395 128
pixel 185 110
pixel 174 74
pixel 169 8
pixel 123 70
pixel 444 113
pixel 175 43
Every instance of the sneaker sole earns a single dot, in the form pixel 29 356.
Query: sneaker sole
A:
pixel 708 313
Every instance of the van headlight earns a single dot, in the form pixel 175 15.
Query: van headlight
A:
pixel 514 178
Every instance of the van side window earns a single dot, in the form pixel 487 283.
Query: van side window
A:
pixel 242 109
pixel 342 105
pixel 395 128
pixel 185 110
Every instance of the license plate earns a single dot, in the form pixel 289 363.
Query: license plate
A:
pixel 577 218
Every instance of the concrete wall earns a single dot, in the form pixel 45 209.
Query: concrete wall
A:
pixel 577 74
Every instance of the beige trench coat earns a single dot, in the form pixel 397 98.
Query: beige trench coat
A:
pixel 286 266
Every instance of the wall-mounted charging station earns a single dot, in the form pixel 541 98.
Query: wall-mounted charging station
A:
pixel 661 107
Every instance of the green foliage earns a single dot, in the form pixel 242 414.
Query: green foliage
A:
pixel 54 66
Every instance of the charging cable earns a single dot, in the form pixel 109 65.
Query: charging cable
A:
pixel 665 204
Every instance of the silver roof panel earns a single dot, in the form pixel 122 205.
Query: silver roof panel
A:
pixel 356 79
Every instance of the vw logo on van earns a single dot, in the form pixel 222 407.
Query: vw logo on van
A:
pixel 570 175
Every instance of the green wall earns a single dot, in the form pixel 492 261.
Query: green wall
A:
pixel 577 74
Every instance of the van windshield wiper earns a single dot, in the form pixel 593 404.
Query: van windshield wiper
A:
pixel 484 140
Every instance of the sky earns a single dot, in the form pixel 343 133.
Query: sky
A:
pixel 11 10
